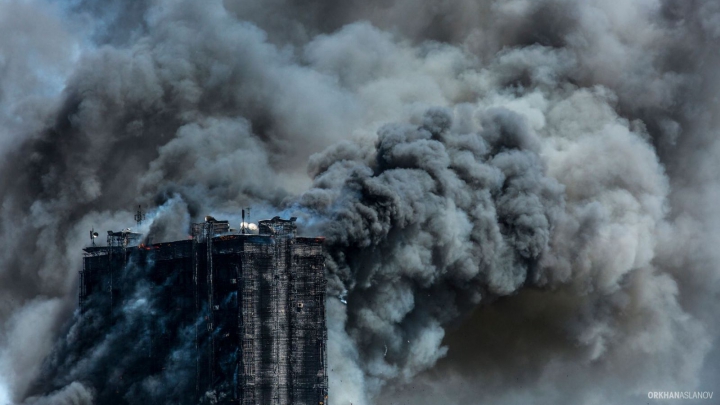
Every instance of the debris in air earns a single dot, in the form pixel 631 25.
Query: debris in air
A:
pixel 343 297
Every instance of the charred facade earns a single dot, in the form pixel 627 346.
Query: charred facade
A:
pixel 252 304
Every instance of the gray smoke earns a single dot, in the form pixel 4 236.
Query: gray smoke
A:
pixel 426 225
pixel 518 197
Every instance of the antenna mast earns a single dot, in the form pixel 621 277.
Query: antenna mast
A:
pixel 244 225
pixel 139 216
pixel 93 235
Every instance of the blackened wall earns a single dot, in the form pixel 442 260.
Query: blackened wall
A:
pixel 253 307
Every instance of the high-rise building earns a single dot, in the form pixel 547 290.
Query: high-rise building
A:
pixel 252 305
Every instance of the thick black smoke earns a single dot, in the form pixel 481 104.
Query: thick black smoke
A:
pixel 424 226
pixel 519 196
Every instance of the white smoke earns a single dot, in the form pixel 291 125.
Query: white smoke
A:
pixel 4 394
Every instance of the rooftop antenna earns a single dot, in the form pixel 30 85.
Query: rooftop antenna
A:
pixel 139 216
pixel 93 235
pixel 243 224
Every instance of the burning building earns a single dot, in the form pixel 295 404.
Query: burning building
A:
pixel 253 304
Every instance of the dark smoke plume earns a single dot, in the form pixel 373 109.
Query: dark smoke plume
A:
pixel 519 197
pixel 424 226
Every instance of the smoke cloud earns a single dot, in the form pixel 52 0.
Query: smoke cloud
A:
pixel 518 198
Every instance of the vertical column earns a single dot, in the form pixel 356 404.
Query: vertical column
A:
pixel 202 312
pixel 110 268
pixel 256 266
pixel 308 335
pixel 282 321
pixel 321 325
pixel 209 233
pixel 196 288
